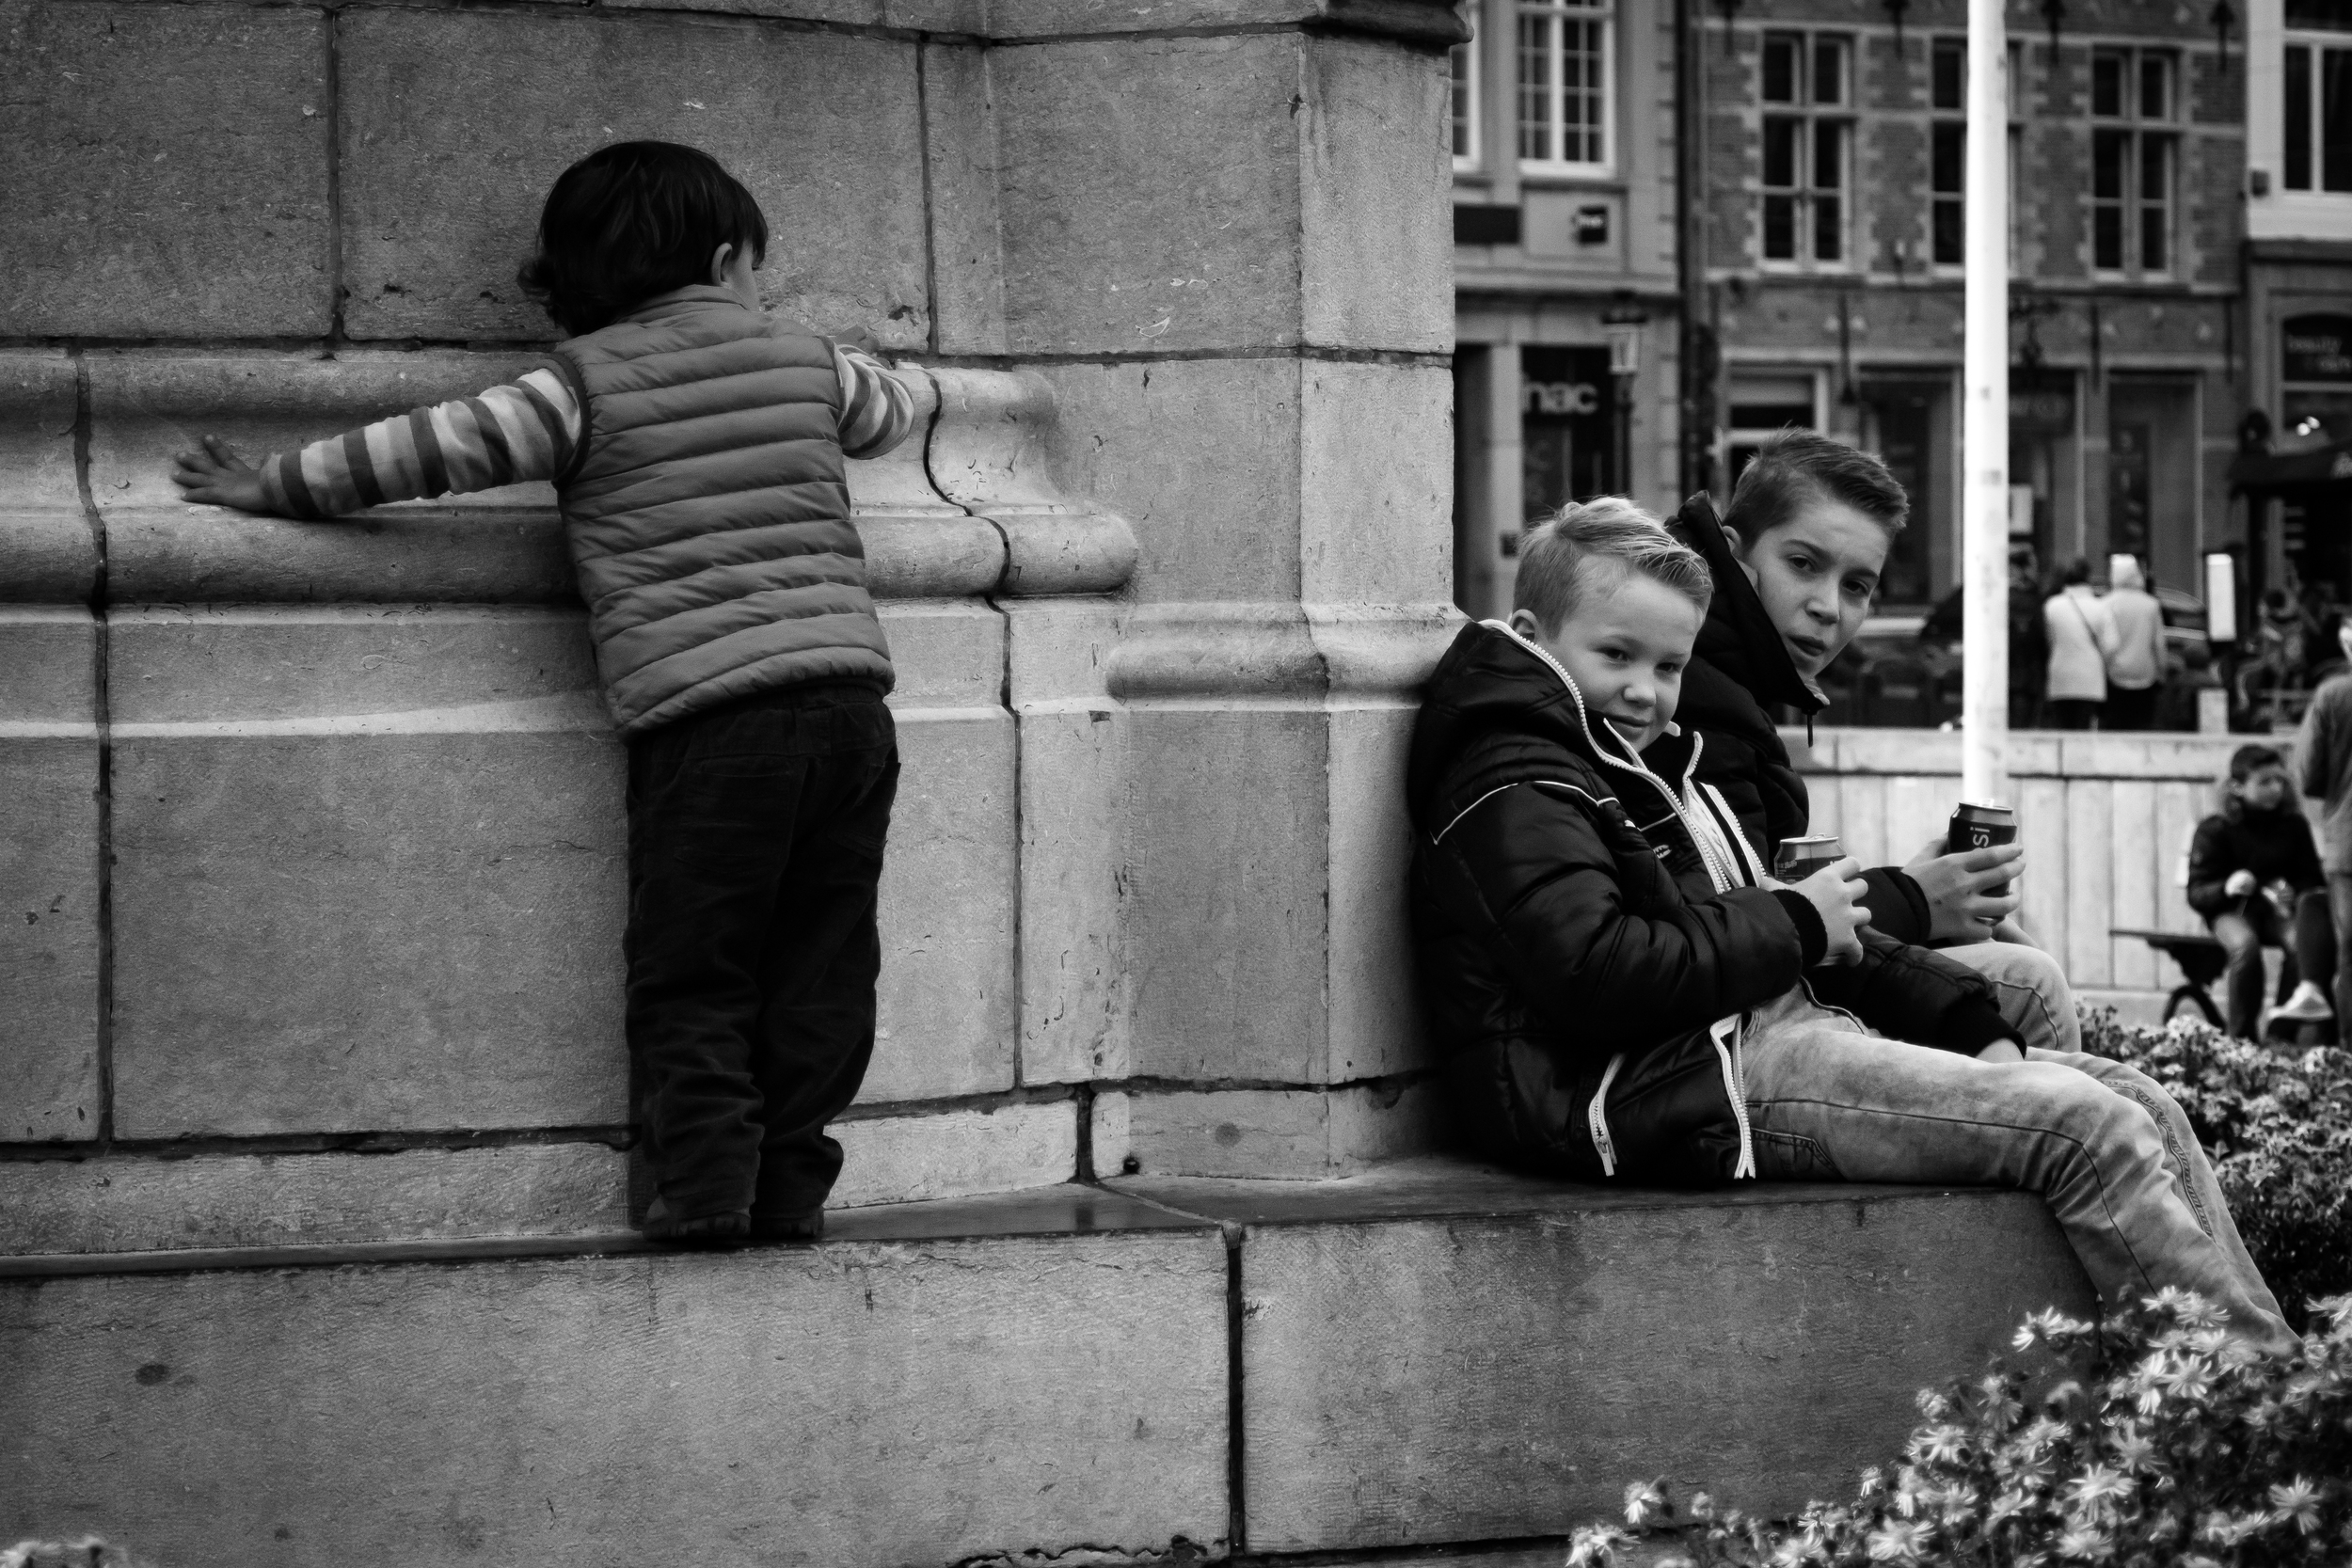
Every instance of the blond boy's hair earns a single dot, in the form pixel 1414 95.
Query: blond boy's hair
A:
pixel 1561 558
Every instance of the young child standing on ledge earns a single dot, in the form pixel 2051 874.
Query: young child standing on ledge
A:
pixel 696 448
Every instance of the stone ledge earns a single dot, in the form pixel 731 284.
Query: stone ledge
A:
pixel 871 1402
pixel 1439 1356
pixel 1004 527
pixel 1441 1353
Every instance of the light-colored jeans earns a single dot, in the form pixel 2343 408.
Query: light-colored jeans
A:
pixel 2035 999
pixel 2108 1150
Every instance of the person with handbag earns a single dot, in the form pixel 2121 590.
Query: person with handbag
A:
pixel 2082 638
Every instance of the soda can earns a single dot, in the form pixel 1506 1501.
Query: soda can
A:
pixel 1980 825
pixel 1801 858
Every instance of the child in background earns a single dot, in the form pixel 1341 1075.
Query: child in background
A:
pixel 696 447
pixel 2251 864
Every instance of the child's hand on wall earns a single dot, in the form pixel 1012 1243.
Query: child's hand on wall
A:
pixel 214 475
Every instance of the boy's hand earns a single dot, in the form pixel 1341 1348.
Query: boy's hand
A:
pixel 1961 905
pixel 216 475
pixel 2241 882
pixel 1831 892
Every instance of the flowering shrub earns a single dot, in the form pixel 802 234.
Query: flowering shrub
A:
pixel 2278 1124
pixel 2169 1448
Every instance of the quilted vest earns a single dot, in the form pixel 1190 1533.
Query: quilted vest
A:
pixel 707 512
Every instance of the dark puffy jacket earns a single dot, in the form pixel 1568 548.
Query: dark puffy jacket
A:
pixel 1569 955
pixel 2276 845
pixel 1740 665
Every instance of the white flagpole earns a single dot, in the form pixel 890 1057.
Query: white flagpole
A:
pixel 1984 427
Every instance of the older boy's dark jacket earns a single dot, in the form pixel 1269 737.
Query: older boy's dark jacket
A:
pixel 1565 919
pixel 2276 845
pixel 1740 665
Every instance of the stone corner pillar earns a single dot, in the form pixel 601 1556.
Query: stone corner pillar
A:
pixel 1228 255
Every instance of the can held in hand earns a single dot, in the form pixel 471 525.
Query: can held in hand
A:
pixel 1980 825
pixel 1800 858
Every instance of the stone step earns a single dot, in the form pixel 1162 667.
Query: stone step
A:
pixel 1434 1355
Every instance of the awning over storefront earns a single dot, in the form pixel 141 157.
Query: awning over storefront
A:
pixel 2322 467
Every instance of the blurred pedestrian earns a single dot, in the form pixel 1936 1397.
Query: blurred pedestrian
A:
pixel 2323 751
pixel 2136 664
pixel 2081 634
pixel 2255 877
pixel 2029 639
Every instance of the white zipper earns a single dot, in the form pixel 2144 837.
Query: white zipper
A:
pixel 1733 1075
pixel 1596 1119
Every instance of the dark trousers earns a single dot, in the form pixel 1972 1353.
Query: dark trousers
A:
pixel 2129 709
pixel 756 839
pixel 2253 925
pixel 2074 713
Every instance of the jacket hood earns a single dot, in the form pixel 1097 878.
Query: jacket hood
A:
pixel 1494 682
pixel 1739 639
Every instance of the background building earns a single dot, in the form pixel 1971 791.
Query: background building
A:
pixel 1827 276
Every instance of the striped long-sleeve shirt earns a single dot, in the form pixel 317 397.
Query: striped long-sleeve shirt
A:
pixel 515 433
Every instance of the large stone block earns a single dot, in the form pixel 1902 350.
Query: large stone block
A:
pixel 48 553
pixel 1265 840
pixel 1376 184
pixel 1227 882
pixel 49 875
pixel 1073 805
pixel 1202 456
pixel 955 1154
pixel 1293 1134
pixel 857 1404
pixel 946 1003
pixel 1188 193
pixel 967 228
pixel 1376 491
pixel 814 122
pixel 137 1203
pixel 1445 1358
pixel 369 872
pixel 194 139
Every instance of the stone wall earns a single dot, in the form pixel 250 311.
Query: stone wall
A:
pixel 312 878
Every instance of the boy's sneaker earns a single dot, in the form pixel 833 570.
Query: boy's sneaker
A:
pixel 728 1227
pixel 789 1227
pixel 2309 1005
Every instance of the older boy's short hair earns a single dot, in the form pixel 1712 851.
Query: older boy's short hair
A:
pixel 1560 556
pixel 1799 466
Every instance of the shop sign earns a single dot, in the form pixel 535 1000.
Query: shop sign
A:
pixel 2315 348
pixel 1559 396
pixel 2043 405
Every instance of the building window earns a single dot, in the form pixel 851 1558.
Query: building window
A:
pixel 2133 95
pixel 1566 82
pixel 1462 101
pixel 1808 137
pixel 2318 116
pixel 1947 151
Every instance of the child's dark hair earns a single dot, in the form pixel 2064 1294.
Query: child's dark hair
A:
pixel 634 220
pixel 1798 465
pixel 2246 761
pixel 2077 571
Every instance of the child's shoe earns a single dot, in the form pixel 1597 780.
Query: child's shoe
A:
pixel 2309 1005
pixel 728 1227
